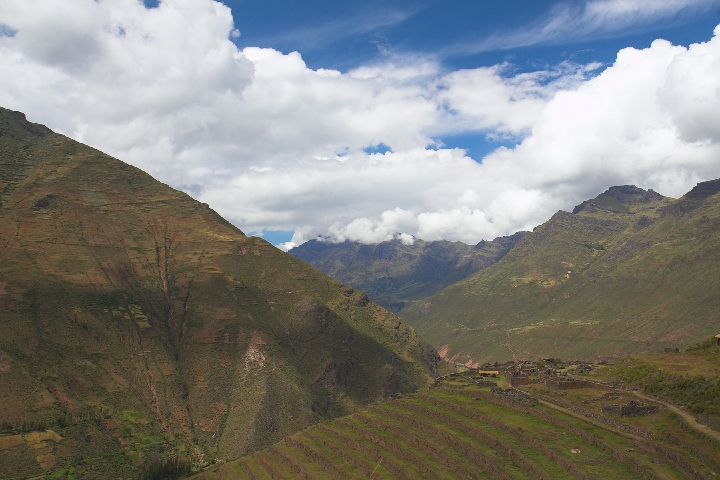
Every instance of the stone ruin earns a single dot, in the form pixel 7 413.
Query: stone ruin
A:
pixel 583 368
pixel 514 395
pixel 558 383
pixel 484 382
pixel 517 380
pixel 630 409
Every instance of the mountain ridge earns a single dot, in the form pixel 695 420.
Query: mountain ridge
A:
pixel 140 325
pixel 630 271
pixel 395 273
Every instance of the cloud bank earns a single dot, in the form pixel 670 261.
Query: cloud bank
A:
pixel 272 144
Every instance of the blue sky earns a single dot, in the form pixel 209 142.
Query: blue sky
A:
pixel 457 120
pixel 346 35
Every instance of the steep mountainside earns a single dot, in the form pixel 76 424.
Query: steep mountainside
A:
pixel 622 424
pixel 138 324
pixel 396 275
pixel 628 271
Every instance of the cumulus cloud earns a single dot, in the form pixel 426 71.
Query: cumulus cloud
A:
pixel 479 101
pixel 641 121
pixel 272 144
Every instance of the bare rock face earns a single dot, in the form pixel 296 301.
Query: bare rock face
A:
pixel 124 297
pixel 362 300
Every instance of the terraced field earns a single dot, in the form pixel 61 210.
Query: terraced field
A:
pixel 458 430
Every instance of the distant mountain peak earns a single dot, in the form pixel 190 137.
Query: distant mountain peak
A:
pixel 14 124
pixel 618 199
pixel 703 190
pixel 629 271
pixel 694 198
pixel 395 273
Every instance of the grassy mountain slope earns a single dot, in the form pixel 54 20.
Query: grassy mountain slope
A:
pixel 458 429
pixel 628 271
pixel 690 378
pixel 396 275
pixel 139 324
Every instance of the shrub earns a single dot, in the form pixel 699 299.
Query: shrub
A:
pixel 164 468
pixel 6 427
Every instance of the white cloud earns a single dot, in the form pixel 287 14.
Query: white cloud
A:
pixel 479 100
pixel 406 239
pixel 641 121
pixel 690 94
pixel 272 144
pixel 572 21
pixel 362 22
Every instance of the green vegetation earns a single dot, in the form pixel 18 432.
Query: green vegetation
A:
pixel 629 271
pixel 699 390
pixel 138 325
pixel 395 274
pixel 459 430
pixel 164 469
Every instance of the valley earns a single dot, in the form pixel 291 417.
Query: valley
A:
pixel 145 337
pixel 629 271
pixel 396 274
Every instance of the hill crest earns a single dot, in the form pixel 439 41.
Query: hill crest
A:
pixel 630 271
pixel 396 274
pixel 139 324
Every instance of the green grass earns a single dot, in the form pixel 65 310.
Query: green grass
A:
pixel 394 274
pixel 359 462
pixel 149 439
pixel 532 455
pixel 447 434
pixel 146 304
pixel 133 416
pixel 699 388
pixel 647 289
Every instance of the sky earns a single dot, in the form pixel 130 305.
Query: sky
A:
pixel 367 121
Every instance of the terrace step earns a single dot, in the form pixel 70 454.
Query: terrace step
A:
pixel 552 417
pixel 442 450
pixel 410 456
pixel 231 471
pixel 499 441
pixel 335 467
pixel 386 458
pixel 253 470
pixel 300 465
pixel 366 466
pixel 268 462
pixel 557 466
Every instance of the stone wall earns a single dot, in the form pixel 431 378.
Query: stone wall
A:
pixel 565 383
pixel 514 381
pixel 485 382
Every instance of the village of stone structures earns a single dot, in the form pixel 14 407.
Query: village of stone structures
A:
pixel 653 416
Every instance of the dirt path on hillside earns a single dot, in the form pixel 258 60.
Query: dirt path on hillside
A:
pixel 598 424
pixel 586 419
pixel 690 419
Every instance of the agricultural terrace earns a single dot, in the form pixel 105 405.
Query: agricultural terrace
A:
pixel 465 428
